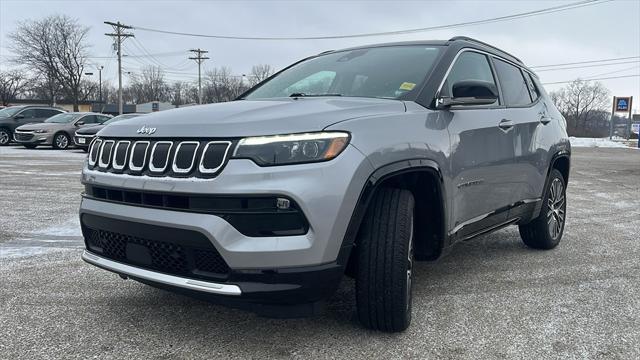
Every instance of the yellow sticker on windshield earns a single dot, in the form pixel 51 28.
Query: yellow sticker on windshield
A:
pixel 407 86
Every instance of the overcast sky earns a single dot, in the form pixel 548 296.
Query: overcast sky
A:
pixel 602 31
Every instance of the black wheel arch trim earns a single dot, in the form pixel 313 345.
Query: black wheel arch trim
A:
pixel 557 155
pixel 376 178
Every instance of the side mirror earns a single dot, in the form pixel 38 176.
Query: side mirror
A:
pixel 470 92
pixel 80 123
pixel 18 117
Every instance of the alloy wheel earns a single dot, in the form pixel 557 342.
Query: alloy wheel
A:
pixel 62 142
pixel 4 137
pixel 556 206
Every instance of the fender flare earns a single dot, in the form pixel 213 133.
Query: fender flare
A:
pixel 377 177
pixel 557 155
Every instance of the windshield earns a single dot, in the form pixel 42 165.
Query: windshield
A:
pixel 120 117
pixel 381 72
pixel 10 111
pixel 62 118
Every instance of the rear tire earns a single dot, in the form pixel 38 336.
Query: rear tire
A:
pixel 385 260
pixel 545 232
pixel 61 141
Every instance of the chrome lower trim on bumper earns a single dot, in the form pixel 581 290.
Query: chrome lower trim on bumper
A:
pixel 191 284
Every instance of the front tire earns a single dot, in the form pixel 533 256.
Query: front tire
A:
pixel 5 137
pixel 545 232
pixel 61 141
pixel 385 261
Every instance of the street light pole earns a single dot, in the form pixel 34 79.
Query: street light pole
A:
pixel 100 85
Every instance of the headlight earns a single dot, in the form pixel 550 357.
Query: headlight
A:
pixel 292 149
pixel 41 131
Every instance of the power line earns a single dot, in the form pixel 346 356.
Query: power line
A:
pixel 603 78
pixel 589 66
pixel 549 10
pixel 162 54
pixel 586 62
pixel 613 72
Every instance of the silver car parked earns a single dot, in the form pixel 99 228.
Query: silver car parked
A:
pixel 56 131
pixel 359 161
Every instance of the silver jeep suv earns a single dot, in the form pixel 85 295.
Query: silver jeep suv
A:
pixel 358 162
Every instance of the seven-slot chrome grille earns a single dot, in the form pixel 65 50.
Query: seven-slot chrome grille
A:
pixel 159 157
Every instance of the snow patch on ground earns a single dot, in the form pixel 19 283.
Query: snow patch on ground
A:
pixel 14 252
pixel 596 142
pixel 66 235
pixel 44 152
pixel 69 228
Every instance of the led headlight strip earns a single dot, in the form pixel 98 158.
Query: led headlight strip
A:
pixel 292 148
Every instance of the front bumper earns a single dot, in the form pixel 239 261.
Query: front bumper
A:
pixel 82 141
pixel 31 138
pixel 326 193
pixel 267 269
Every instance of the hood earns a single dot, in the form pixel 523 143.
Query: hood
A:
pixel 43 126
pixel 90 130
pixel 254 117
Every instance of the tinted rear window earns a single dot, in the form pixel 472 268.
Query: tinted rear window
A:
pixel 514 89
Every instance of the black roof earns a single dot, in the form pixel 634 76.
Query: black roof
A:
pixel 469 42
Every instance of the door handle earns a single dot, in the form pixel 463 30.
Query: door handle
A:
pixel 545 120
pixel 505 124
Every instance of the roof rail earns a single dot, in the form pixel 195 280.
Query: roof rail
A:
pixel 466 38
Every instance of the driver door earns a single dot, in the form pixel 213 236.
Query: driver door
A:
pixel 482 153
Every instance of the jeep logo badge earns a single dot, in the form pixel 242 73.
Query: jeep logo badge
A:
pixel 146 130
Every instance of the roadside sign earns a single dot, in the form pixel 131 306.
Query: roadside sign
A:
pixel 635 128
pixel 621 104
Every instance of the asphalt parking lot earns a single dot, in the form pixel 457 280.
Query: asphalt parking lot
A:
pixel 489 298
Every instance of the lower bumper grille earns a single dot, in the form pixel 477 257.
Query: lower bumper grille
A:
pixel 197 258
pixel 23 137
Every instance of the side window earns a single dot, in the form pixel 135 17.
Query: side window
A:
pixel 28 114
pixel 45 113
pixel 469 66
pixel 102 118
pixel 89 119
pixel 533 91
pixel 514 88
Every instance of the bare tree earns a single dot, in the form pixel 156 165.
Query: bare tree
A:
pixel 260 72
pixel 220 85
pixel 12 84
pixel 54 47
pixel 45 86
pixel 582 103
pixel 149 85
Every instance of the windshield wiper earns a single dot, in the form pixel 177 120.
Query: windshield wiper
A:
pixel 312 95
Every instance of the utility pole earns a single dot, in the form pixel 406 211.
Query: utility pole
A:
pixel 199 59
pixel 119 36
